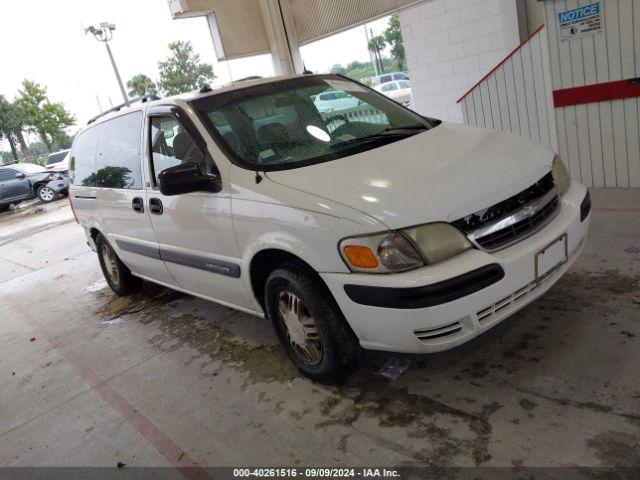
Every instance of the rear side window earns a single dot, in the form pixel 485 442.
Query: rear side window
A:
pixel 108 155
pixel 56 157
pixel 83 158
pixel 118 158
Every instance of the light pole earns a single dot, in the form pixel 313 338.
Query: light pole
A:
pixel 104 33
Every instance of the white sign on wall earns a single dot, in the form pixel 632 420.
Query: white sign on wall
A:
pixel 580 22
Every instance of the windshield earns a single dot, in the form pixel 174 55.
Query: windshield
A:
pixel 302 121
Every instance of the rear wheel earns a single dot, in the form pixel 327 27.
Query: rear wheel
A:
pixel 46 194
pixel 116 273
pixel 310 326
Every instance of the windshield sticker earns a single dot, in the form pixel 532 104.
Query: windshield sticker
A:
pixel 265 154
pixel 344 85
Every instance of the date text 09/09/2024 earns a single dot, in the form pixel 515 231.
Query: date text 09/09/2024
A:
pixel 315 473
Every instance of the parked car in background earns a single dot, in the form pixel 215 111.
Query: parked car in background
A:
pixel 367 235
pixel 58 161
pixel 388 77
pixel 398 91
pixel 24 181
pixel 334 100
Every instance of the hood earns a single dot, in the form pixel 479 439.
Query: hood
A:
pixel 440 175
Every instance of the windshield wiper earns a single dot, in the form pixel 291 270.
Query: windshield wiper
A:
pixel 385 134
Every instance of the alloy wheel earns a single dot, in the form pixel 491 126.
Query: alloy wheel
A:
pixel 110 264
pixel 300 328
pixel 46 194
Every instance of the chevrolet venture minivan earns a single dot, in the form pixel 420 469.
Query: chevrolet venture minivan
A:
pixel 367 226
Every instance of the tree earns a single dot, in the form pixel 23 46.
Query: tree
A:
pixel 183 71
pixel 47 119
pixel 141 84
pixel 8 123
pixel 393 37
pixel 376 45
pixel 12 124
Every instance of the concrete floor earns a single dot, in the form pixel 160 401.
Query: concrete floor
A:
pixel 164 379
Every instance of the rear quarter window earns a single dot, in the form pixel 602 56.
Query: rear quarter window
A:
pixel 83 158
pixel 108 155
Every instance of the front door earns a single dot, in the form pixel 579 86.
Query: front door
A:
pixel 12 187
pixel 195 230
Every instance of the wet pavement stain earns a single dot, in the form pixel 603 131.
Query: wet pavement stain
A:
pixel 217 345
pixel 527 404
pixel 618 449
pixel 600 283
pixel 421 417
pixel 150 295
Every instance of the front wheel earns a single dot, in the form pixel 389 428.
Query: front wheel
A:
pixel 116 273
pixel 310 326
pixel 46 194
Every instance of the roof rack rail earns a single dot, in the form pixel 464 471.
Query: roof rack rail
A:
pixel 141 99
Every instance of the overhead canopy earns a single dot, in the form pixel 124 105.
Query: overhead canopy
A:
pixel 315 19
pixel 238 26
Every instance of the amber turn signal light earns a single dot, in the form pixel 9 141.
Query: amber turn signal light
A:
pixel 360 257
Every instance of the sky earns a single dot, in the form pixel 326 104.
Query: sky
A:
pixel 44 41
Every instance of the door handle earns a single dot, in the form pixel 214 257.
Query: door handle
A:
pixel 155 206
pixel 137 204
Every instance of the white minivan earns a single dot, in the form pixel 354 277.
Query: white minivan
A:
pixel 372 228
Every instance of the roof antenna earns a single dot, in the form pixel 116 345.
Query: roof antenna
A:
pixel 258 177
pixel 305 71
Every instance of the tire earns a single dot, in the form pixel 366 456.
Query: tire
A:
pixel 46 194
pixel 338 348
pixel 4 208
pixel 116 273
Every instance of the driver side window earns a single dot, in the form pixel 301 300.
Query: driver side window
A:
pixel 172 145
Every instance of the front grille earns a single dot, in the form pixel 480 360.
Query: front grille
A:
pixel 522 215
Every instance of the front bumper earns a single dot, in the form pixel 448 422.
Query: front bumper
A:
pixel 59 185
pixel 446 325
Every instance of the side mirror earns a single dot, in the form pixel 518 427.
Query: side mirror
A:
pixel 187 178
pixel 20 175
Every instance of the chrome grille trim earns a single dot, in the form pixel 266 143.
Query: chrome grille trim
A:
pixel 522 221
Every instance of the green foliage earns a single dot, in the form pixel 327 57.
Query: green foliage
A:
pixel 11 118
pixel 47 119
pixel 6 157
pixel 110 176
pixel 360 71
pixel 393 37
pixel 183 71
pixel 141 84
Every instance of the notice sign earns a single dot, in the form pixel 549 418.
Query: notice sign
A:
pixel 580 22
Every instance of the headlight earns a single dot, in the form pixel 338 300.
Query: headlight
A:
pixel 561 176
pixel 438 241
pixel 404 250
pixel 381 253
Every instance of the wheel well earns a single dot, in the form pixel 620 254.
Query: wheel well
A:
pixel 265 262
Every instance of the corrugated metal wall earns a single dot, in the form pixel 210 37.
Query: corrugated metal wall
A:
pixel 599 141
pixel 516 96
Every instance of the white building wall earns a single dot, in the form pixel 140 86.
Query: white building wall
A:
pixel 450 45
